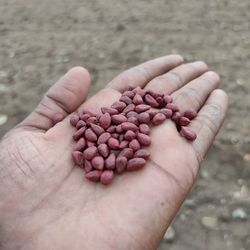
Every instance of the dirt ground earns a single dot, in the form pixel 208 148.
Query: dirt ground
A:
pixel 41 40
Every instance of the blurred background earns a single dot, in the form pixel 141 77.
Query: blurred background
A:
pixel 41 40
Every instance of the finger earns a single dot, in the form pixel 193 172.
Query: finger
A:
pixel 140 75
pixel 61 99
pixel 195 93
pixel 177 77
pixel 209 121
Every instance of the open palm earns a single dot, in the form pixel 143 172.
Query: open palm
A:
pixel 46 203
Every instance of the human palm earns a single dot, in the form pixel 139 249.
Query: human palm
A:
pixel 46 203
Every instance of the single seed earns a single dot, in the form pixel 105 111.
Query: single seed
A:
pixel 167 112
pixel 190 114
pixel 126 99
pixel 74 118
pixel 135 164
pixel 176 116
pixel 129 126
pixel 143 139
pixel 129 108
pixel 129 93
pixel 183 121
pixel 119 106
pixel 110 161
pixel 105 120
pixel 113 143
pixel 107 177
pixel 79 133
pixel 144 117
pixel 120 164
pixel 98 163
pixel 91 120
pixel 131 114
pixel 168 99
pixel 173 107
pixel 142 153
pixel 123 144
pixel 118 119
pixel 135 145
pixel 111 129
pixel 77 158
pixel 133 120
pixel 119 129
pixel 144 128
pixel 89 153
pixel 80 124
pixel 93 175
pixel 137 99
pixel 103 138
pixel 129 135
pixel 188 133
pixel 97 129
pixel 90 135
pixel 80 145
pixel 127 152
pixel 84 117
pixel 111 111
pixel 158 119
pixel 141 108
pixel 103 150
pixel 150 100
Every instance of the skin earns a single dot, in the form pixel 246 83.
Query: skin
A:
pixel 45 201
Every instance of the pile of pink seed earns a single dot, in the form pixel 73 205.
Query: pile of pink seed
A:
pixel 115 141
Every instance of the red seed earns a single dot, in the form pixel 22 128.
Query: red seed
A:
pixel 123 144
pixel 87 166
pixel 137 99
pixel 158 119
pixel 111 111
pixel 89 153
pixel 183 121
pixel 150 100
pixel 142 153
pixel 103 150
pixel 119 129
pixel 105 120
pixel 80 124
pixel 98 163
pixel 141 108
pixel 133 120
pixel 74 118
pixel 143 139
pixel 135 145
pixel 57 117
pixel 91 120
pixel 132 114
pixel 103 138
pixel 118 119
pixel 135 163
pixel 152 113
pixel 129 135
pixel 188 133
pixel 144 128
pixel 107 177
pixel 129 93
pixel 77 158
pixel 79 133
pixel 110 161
pixel 160 101
pixel 127 152
pixel 176 116
pixel 120 164
pixel 167 112
pixel 84 117
pixel 119 106
pixel 144 117
pixel 126 99
pixel 129 126
pixel 190 114
pixel 168 99
pixel 97 129
pixel 80 145
pixel 129 108
pixel 93 175
pixel 111 129
pixel 173 107
pixel 113 143
pixel 90 135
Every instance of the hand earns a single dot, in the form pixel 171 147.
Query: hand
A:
pixel 45 201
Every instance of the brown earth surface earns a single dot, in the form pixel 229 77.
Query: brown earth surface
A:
pixel 41 40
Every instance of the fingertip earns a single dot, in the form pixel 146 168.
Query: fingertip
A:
pixel 201 65
pixel 178 58
pixel 221 95
pixel 79 73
